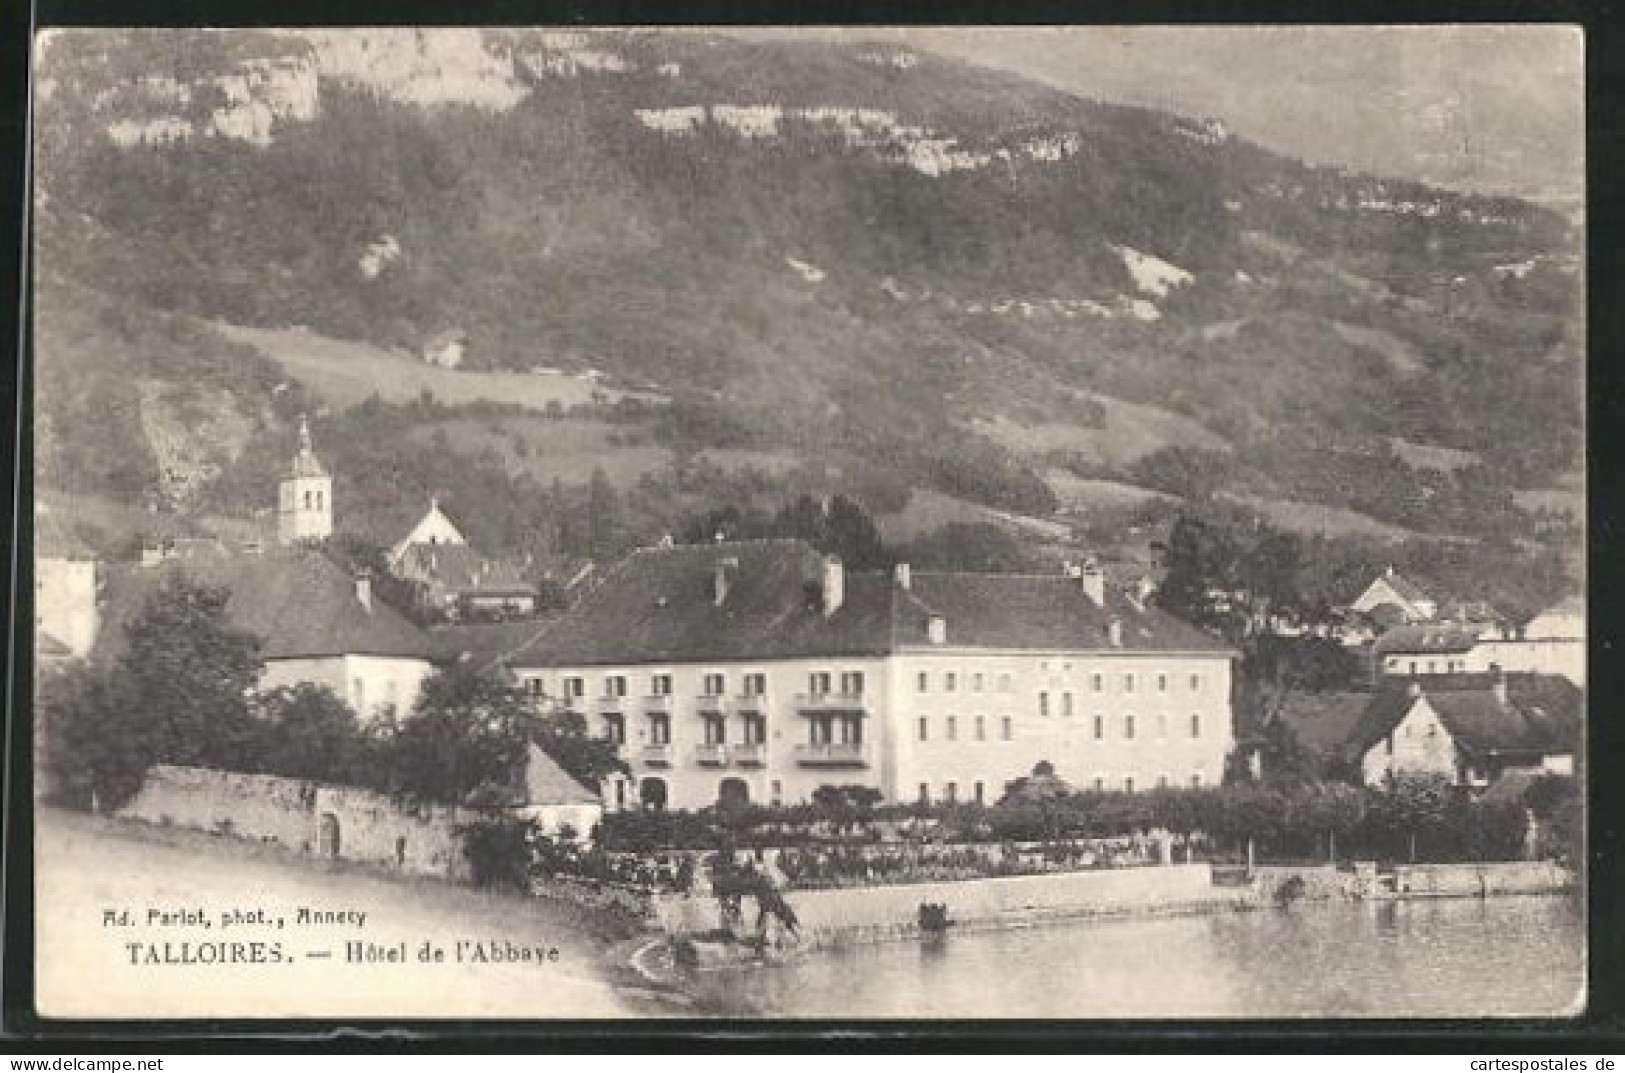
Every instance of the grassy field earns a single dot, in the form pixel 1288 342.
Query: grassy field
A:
pixel 1312 518
pixel 928 511
pixel 87 866
pixel 1078 493
pixel 546 448
pixel 344 373
pixel 1128 432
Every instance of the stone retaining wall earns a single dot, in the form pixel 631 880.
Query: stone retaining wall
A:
pixel 829 917
pixel 329 821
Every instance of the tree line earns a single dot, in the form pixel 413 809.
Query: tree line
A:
pixel 185 692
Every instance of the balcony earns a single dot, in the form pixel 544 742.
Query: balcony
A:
pixel 832 702
pixel 711 704
pixel 752 755
pixel 833 755
pixel 609 705
pixel 657 755
pixel 657 702
pixel 711 755
pixel 756 703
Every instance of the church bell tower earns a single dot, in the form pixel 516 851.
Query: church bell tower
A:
pixel 305 495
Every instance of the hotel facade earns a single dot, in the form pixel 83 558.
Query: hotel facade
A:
pixel 760 671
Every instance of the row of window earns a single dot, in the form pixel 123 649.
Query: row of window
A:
pixel 950 789
pixel 713 684
pixel 851 683
pixel 821 730
pixel 1129 726
pixel 1097 681
pixel 1451 666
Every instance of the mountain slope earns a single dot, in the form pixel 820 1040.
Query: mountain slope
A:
pixel 828 248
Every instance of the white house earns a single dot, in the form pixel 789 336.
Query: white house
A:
pixel 760 671
pixel 446 348
pixel 317 623
pixel 1469 728
pixel 1393 589
pixel 434 529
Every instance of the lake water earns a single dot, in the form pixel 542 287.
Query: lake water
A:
pixel 1519 956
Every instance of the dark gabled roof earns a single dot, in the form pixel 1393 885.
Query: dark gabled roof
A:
pixel 1324 721
pixel 1045 611
pixel 298 601
pixel 658 606
pixel 1429 637
pixel 484 644
pixel 1543 713
pixel 461 569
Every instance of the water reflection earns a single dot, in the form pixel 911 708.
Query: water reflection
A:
pixel 1496 957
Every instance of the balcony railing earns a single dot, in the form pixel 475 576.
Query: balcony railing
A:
pixel 657 702
pixel 711 755
pixel 833 755
pixel 828 702
pixel 751 702
pixel 610 704
pixel 711 704
pixel 752 755
pixel 657 755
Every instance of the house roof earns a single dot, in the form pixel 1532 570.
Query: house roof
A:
pixel 1324 721
pixel 548 784
pixel 460 568
pixel 55 538
pixel 1569 605
pixel 48 647
pixel 298 601
pixel 1429 637
pixel 1404 587
pixel 1543 714
pixel 658 606
pixel 485 643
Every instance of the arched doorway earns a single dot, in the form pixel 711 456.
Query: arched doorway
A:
pixel 327 836
pixel 652 793
pixel 733 794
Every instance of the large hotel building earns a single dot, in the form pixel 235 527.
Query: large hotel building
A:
pixel 762 670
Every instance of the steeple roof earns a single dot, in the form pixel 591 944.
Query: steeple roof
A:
pixel 305 463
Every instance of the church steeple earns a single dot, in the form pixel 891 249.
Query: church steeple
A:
pixel 305 496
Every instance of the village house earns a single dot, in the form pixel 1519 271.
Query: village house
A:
pixel 1553 642
pixel 434 529
pixel 1471 729
pixel 66 620
pixel 759 670
pixel 446 348
pixel 1394 590
pixel 318 624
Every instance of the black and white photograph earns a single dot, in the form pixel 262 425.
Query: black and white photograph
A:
pixel 809 523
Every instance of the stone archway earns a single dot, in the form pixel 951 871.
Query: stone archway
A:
pixel 733 794
pixel 328 841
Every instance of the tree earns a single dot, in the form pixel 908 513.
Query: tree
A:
pixel 1200 562
pixel 97 746
pixel 307 732
pixel 189 672
pixel 466 730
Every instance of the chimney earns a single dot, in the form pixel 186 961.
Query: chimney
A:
pixel 1498 684
pixel 903 579
pixel 832 585
pixel 721 577
pixel 1114 632
pixel 1413 688
pixel 363 589
pixel 936 630
pixel 1093 580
